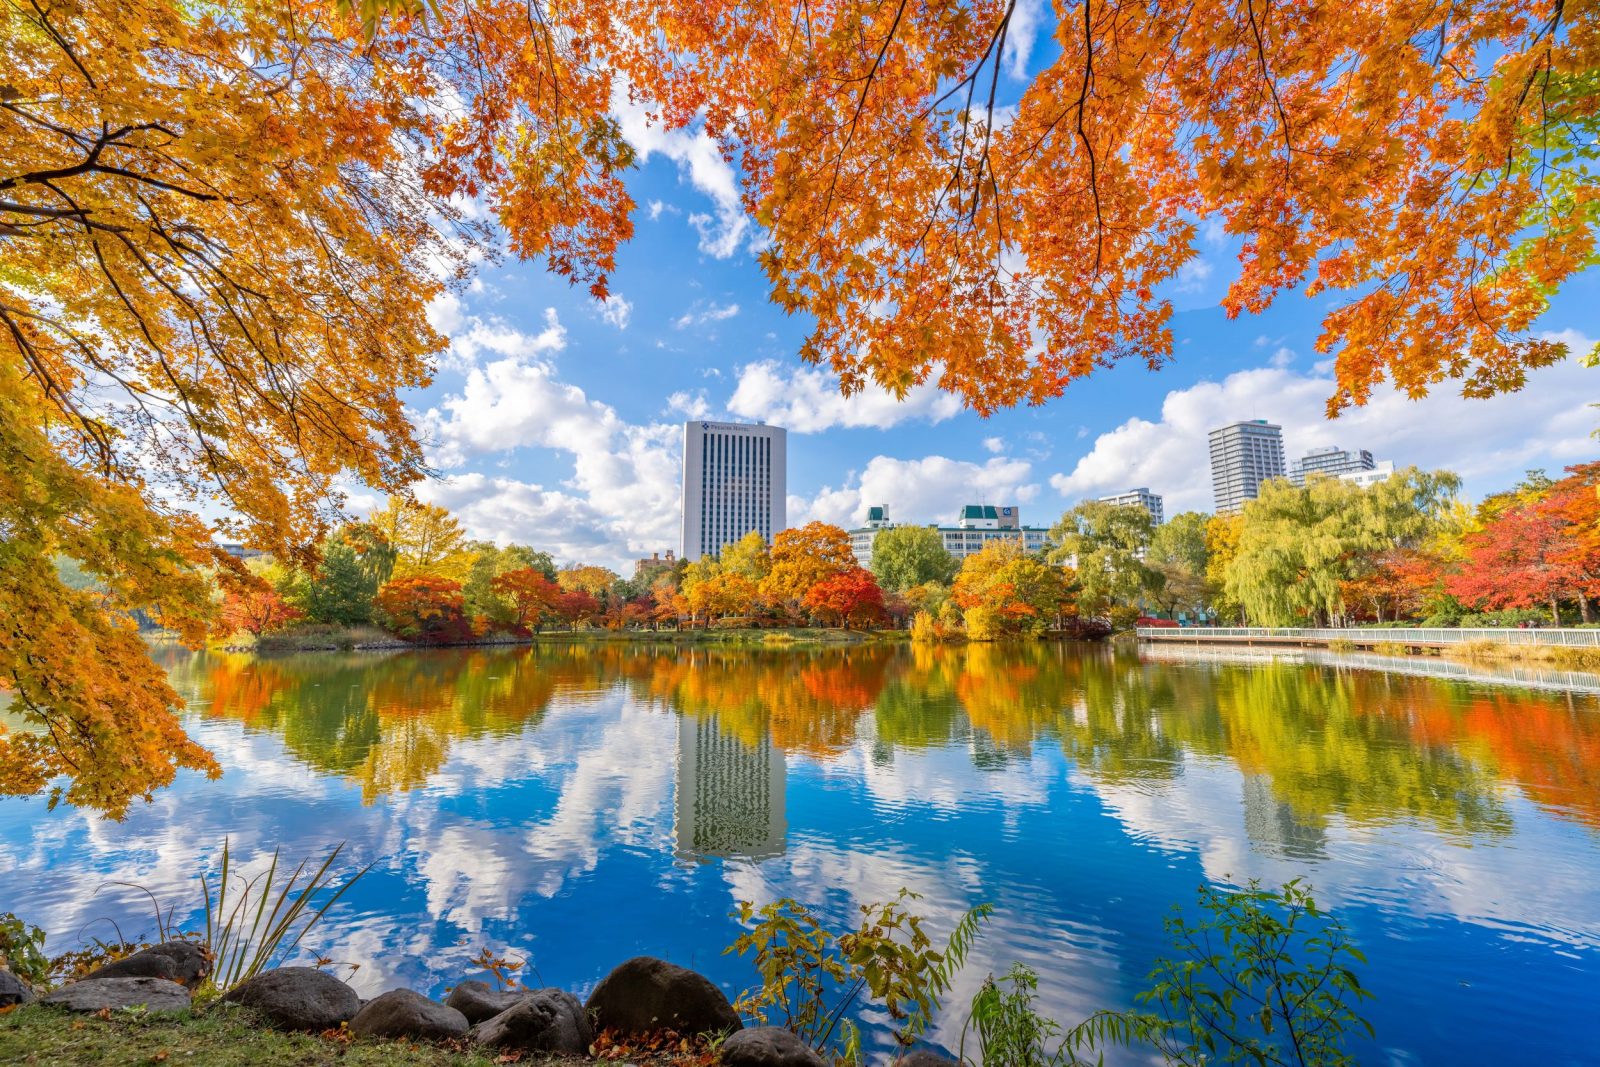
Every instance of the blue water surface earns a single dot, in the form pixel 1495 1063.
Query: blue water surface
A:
pixel 577 806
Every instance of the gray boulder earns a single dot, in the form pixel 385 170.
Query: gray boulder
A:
pixel 924 1057
pixel 98 994
pixel 405 1013
pixel 13 990
pixel 544 1020
pixel 183 962
pixel 298 998
pixel 479 1001
pixel 646 994
pixel 768 1046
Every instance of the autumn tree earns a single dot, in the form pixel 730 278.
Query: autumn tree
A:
pixel 845 597
pixel 596 581
pixel 576 606
pixel 529 594
pixel 1539 550
pixel 423 607
pixel 1003 589
pixel 801 558
pixel 255 608
pixel 748 556
pixel 907 556
pixel 484 600
pixel 427 539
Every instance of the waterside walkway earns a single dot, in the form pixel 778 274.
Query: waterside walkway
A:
pixel 1365 637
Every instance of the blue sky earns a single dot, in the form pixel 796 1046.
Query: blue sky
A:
pixel 555 421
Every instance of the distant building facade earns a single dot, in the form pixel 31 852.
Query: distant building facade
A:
pixel 1243 455
pixel 655 564
pixel 1139 498
pixel 734 481
pixel 977 526
pixel 1331 461
pixel 1380 472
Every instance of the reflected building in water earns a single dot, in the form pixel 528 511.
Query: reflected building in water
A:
pixel 1272 825
pixel 730 801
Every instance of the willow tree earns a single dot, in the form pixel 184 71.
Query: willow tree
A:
pixel 1299 545
pixel 1106 545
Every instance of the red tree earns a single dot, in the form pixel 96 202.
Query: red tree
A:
pixel 531 595
pixel 256 610
pixel 424 607
pixel 847 596
pixel 575 606
pixel 1542 551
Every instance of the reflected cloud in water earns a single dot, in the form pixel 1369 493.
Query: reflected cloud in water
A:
pixel 586 803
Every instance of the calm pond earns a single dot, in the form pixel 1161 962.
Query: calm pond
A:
pixel 580 805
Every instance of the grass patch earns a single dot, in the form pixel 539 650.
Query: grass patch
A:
pixel 219 1036
pixel 1578 659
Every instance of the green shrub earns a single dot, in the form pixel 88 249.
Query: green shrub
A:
pixel 22 950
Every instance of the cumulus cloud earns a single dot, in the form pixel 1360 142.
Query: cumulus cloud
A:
pixel 690 405
pixel 930 489
pixel 994 445
pixel 722 232
pixel 807 400
pixel 623 492
pixel 1488 442
pixel 617 310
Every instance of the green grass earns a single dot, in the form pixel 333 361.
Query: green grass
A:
pixel 218 1036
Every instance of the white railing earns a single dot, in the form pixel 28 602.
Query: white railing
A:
pixel 1416 635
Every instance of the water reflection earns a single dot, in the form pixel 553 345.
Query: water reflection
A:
pixel 610 799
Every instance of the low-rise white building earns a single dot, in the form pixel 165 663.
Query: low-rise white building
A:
pixel 1380 472
pixel 1139 498
pixel 977 526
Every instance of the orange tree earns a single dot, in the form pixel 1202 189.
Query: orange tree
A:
pixel 1004 590
pixel 255 608
pixel 801 558
pixel 222 223
pixel 846 596
pixel 423 607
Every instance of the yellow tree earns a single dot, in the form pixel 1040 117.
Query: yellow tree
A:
pixel 596 581
pixel 426 538
pixel 801 558
pixel 1005 590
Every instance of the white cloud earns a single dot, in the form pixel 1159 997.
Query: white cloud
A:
pixel 994 445
pixel 690 405
pixel 703 313
pixel 1026 18
pixel 1282 357
pixel 623 492
pixel 616 309
pixel 806 400
pixel 698 157
pixel 922 490
pixel 472 337
pixel 1488 442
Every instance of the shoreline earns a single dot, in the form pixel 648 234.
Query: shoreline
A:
pixel 371 639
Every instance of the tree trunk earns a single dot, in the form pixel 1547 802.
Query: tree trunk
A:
pixel 1583 608
pixel 1555 612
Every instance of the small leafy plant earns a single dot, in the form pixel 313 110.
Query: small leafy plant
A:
pixel 810 977
pixel 1268 979
pixel 22 950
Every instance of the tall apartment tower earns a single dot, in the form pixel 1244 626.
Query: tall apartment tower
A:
pixel 1243 455
pixel 1331 461
pixel 734 481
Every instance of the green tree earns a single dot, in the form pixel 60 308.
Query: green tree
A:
pixel 488 563
pixel 1299 545
pixel 1179 555
pixel 907 556
pixel 1106 544
pixel 340 590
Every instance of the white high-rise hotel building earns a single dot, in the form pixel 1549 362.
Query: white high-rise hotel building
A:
pixel 734 481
